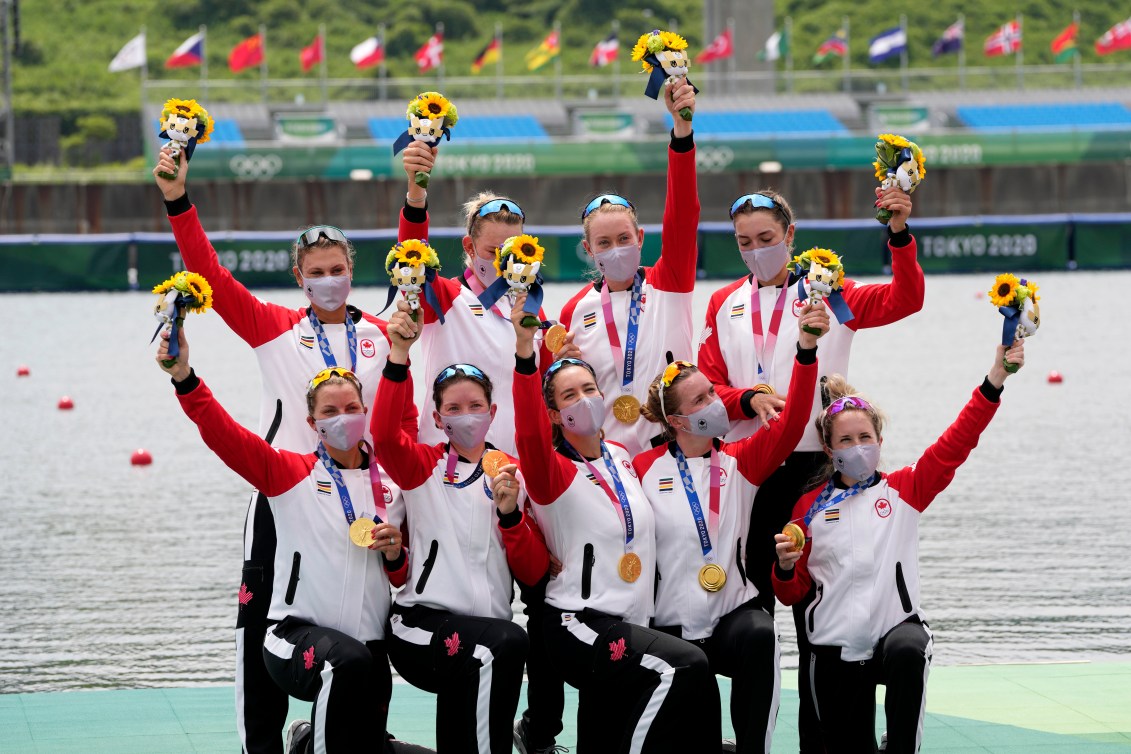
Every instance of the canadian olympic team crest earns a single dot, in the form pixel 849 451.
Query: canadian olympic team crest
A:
pixel 386 493
pixel 628 468
pixel 883 508
pixel 368 350
pixel 722 478
pixel 798 305
pixel 255 165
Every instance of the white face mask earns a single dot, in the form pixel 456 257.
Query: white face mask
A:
pixel 329 292
pixel 709 421
pixel 584 417
pixel 857 462
pixel 343 431
pixel 765 263
pixel 466 430
pixel 618 263
pixel 484 269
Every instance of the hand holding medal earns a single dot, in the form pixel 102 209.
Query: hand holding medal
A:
pixel 899 164
pixel 431 116
pixel 790 545
pixel 412 266
pixel 380 536
pixel 1017 300
pixel 504 480
pixel 184 292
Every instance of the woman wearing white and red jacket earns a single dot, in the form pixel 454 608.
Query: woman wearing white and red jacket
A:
pixel 325 641
pixel 637 685
pixel 857 575
pixel 701 491
pixel 289 345
pixel 452 628
pixel 633 320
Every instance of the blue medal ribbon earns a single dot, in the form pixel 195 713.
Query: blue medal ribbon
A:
pixel 324 343
pixel 823 500
pixel 336 475
pixel 470 480
pixel 1008 331
pixel 429 294
pixel 693 501
pixel 620 497
pixel 406 138
pixel 835 300
pixel 632 335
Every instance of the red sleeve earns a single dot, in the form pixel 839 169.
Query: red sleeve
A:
pixel 255 321
pixel 711 362
pixel 881 304
pixel 567 311
pixel 919 484
pixel 408 463
pixel 410 417
pixel 269 470
pixel 764 451
pixel 545 357
pixel 447 291
pixel 407 229
pixel 679 248
pixel 527 555
pixel 398 577
pixel 792 590
pixel 535 449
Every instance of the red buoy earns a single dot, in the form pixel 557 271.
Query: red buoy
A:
pixel 1055 377
pixel 65 403
pixel 979 294
pixel 23 371
pixel 141 457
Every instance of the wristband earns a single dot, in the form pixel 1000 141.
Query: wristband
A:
pixel 415 202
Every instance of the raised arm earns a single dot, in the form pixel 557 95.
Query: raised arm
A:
pixel 883 303
pixel 679 249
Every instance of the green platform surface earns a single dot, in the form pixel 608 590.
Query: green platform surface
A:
pixel 1063 707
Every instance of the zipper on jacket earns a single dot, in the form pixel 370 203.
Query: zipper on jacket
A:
pixel 813 607
pixel 587 561
pixel 901 587
pixel 429 562
pixel 292 585
pixel 738 561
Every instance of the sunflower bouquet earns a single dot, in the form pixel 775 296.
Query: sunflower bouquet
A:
pixel 518 263
pixel 184 292
pixel 1017 300
pixel 663 55
pixel 899 163
pixel 185 124
pixel 431 116
pixel 412 266
pixel 824 272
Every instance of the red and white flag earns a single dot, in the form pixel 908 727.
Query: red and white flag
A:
pixel 1004 41
pixel 720 49
pixel 369 53
pixel 431 53
pixel 1116 38
pixel 312 54
pixel 605 51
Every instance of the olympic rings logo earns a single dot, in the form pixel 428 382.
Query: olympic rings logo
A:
pixel 256 165
pixel 713 159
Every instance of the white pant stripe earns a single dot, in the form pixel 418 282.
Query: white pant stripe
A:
pixel 666 672
pixel 323 702
pixel 241 726
pixel 483 702
pixel 580 631
pixel 775 703
pixel 411 634
pixel 930 650
pixel 281 648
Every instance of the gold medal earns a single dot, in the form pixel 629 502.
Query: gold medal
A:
pixel 492 461
pixel 361 531
pixel 626 409
pixel 555 338
pixel 712 577
pixel 629 567
pixel 796 533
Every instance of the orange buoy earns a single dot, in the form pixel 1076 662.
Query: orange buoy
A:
pixel 141 457
pixel 23 371
pixel 1055 377
pixel 65 403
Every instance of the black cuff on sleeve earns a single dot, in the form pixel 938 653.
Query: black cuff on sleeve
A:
pixel 991 393
pixel 525 364
pixel 416 214
pixel 394 565
pixel 178 206
pixel 509 520
pixel 188 384
pixel 806 355
pixel 745 404
pixel 782 574
pixel 683 143
pixel 395 372
pixel 900 239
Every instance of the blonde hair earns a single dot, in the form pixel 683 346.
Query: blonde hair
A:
pixel 607 208
pixel 472 220
pixel 659 401
pixel 783 212
pixel 299 250
pixel 833 388
pixel 312 395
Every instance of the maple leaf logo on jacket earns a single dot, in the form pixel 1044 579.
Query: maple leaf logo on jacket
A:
pixel 617 649
pixel 452 643
pixel 308 658
pixel 245 596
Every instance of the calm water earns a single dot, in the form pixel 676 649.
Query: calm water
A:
pixel 115 576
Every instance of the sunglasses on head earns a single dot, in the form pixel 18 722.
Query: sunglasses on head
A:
pixel 672 371
pixel 567 361
pixel 326 374
pixel 754 200
pixel 604 199
pixel 466 370
pixel 848 401
pixel 498 205
pixel 311 236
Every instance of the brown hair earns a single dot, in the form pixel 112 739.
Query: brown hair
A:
pixel 312 394
pixel 660 400
pixel 299 249
pixel 833 388
pixel 608 208
pixel 556 436
pixel 783 212
pixel 440 386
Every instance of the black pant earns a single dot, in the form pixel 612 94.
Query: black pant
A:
pixel 845 691
pixel 348 681
pixel 261 706
pixel 744 647
pixel 641 689
pixel 545 689
pixel 772 509
pixel 473 665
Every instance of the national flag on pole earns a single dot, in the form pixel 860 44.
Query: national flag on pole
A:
pixel 246 54
pixel 431 53
pixel 312 54
pixel 369 53
pixel 1005 41
pixel 190 53
pixel 605 51
pixel 1064 46
pixel 1116 38
pixel 542 54
pixel 951 39
pixel 490 54
pixel 887 44
pixel 835 46
pixel 777 46
pixel 721 48
pixel 132 55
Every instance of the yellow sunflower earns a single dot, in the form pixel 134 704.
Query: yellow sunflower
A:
pixel 881 170
pixel 919 158
pixel 640 49
pixel 199 289
pixel 430 105
pixel 895 140
pixel 190 108
pixel 673 41
pixel 1005 288
pixel 1033 288
pixel 525 248
pixel 824 257
pixel 162 288
pixel 412 252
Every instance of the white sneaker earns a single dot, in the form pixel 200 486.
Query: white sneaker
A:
pixel 298 736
